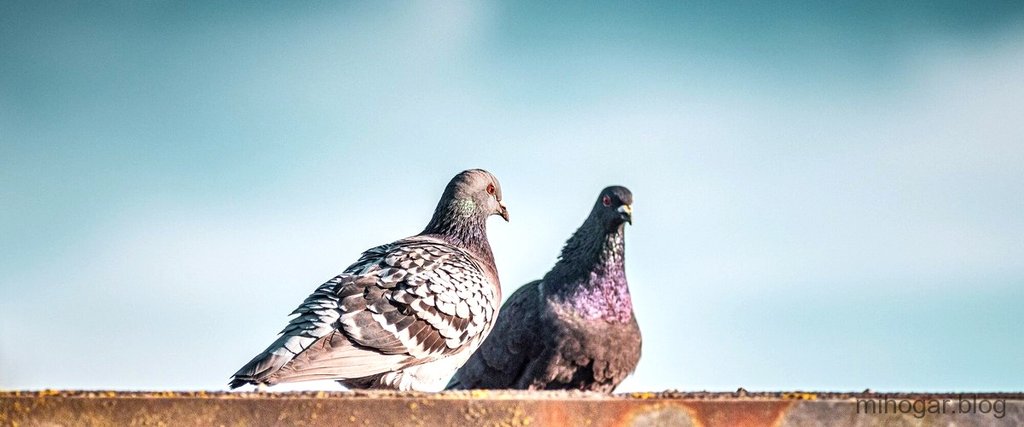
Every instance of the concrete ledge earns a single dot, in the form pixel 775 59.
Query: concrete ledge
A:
pixel 507 408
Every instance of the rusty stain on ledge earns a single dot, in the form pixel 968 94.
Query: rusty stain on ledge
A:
pixel 482 407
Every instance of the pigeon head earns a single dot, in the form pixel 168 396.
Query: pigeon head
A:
pixel 613 207
pixel 461 215
pixel 475 192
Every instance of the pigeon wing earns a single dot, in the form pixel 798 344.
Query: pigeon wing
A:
pixel 411 302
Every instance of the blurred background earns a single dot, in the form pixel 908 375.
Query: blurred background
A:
pixel 828 196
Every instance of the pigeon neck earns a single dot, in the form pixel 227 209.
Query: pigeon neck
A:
pixel 462 226
pixel 590 275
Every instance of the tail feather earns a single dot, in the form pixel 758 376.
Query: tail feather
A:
pixel 260 369
pixel 330 357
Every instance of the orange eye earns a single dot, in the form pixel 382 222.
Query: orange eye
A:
pixel 490 189
pixel 606 200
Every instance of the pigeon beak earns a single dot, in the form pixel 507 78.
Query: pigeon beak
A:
pixel 503 211
pixel 626 213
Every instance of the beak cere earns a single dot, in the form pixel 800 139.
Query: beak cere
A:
pixel 503 211
pixel 626 213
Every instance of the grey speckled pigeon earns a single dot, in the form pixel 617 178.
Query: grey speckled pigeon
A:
pixel 407 314
pixel 575 328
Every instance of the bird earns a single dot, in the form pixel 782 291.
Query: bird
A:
pixel 575 328
pixel 406 314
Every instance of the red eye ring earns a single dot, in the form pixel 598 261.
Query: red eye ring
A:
pixel 607 201
pixel 490 189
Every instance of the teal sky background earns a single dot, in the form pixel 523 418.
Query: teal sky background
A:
pixel 828 195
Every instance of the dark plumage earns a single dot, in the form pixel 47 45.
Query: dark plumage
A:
pixel 407 314
pixel 575 328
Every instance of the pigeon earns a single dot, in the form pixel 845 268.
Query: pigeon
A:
pixel 574 329
pixel 404 316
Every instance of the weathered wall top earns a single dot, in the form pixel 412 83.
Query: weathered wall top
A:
pixel 508 408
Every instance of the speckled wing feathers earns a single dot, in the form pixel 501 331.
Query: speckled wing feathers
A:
pixel 429 300
pixel 401 304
